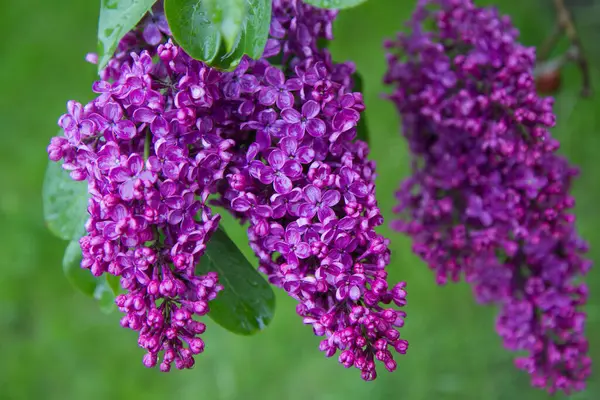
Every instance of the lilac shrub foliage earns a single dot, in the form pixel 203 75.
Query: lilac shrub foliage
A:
pixel 489 198
pixel 275 142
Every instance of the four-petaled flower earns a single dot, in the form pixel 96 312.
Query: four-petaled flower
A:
pixel 318 203
pixel 132 177
pixel 280 171
pixel 112 124
pixel 306 122
pixel 279 90
pixel 292 247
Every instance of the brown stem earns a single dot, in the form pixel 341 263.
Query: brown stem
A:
pixel 566 24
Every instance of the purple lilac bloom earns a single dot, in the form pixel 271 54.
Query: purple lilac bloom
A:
pixel 489 197
pixel 279 149
pixel 304 183
pixel 149 222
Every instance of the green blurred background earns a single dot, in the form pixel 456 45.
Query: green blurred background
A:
pixel 55 343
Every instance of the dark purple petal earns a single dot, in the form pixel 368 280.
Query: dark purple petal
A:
pixel 274 76
pixel 240 204
pixel 293 84
pixel 266 175
pixel 267 117
pixel 126 190
pixel 152 34
pixel 310 109
pixel 126 130
pixel 135 163
pixel 288 145
pixel 312 194
pixel 112 111
pixel 325 214
pixel 120 174
pixel 347 223
pixel 285 100
pixel 359 189
pixel 249 83
pixel 267 96
pixel 276 159
pixel 295 131
pixel 292 168
pixel 291 116
pixel 305 154
pixel 282 247
pixel 345 120
pixel 302 250
pixel 307 210
pixel 263 211
pixel 292 237
pixel 316 127
pixel 282 184
pixel 263 139
pixel 331 198
pixel 160 127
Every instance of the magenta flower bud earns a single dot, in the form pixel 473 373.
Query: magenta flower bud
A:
pixel 196 345
pixel 346 358
pixel 149 360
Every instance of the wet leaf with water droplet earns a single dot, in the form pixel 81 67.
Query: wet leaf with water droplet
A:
pixel 192 27
pixel 222 39
pixel 65 203
pixel 117 17
pixel 230 19
pixel 334 4
pixel 247 303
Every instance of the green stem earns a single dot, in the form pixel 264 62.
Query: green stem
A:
pixel 147 143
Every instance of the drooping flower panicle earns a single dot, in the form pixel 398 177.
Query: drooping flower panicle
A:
pixel 277 146
pixel 307 188
pixel 148 183
pixel 489 197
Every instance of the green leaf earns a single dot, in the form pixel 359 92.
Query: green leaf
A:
pixel 103 288
pixel 334 4
pixel 229 16
pixel 191 25
pixel 117 17
pixel 79 277
pixel 200 27
pixel 362 129
pixel 247 303
pixel 64 202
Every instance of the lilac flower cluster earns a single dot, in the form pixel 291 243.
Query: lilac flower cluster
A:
pixel 150 167
pixel 307 189
pixel 489 196
pixel 277 146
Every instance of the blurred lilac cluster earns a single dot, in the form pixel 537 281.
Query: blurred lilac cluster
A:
pixel 489 198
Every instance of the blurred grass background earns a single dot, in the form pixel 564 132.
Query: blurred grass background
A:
pixel 55 343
